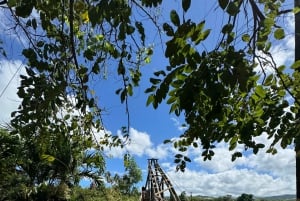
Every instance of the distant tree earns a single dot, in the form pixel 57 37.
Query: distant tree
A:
pixel 245 197
pixel 133 175
pixel 31 168
pixel 182 196
pixel 225 198
pixel 13 181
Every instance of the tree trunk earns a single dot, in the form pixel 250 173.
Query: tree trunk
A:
pixel 297 140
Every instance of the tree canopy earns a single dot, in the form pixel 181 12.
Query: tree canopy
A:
pixel 232 91
pixel 228 93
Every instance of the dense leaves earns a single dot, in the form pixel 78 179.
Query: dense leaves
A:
pixel 59 119
pixel 220 92
pixel 231 91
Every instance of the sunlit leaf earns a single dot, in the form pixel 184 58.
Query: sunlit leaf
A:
pixel 279 34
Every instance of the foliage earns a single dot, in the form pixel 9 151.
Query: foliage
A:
pixel 12 181
pixel 182 196
pixel 218 90
pixel 31 170
pixel 245 197
pixel 82 194
pixel 221 93
pixel 126 183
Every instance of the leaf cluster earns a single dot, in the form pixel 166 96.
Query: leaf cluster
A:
pixel 218 91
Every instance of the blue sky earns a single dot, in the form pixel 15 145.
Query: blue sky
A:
pixel 261 174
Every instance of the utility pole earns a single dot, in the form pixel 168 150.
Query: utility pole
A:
pixel 297 137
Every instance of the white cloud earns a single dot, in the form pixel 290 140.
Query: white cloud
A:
pixel 9 82
pixel 231 182
pixel 261 175
pixel 139 145
pixel 284 51
pixel 180 127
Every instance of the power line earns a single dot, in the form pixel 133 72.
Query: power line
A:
pixel 11 79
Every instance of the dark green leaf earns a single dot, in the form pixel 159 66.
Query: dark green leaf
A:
pixel 167 141
pixel 33 23
pixel 25 9
pixel 150 99
pixel 168 29
pixel 158 73
pixel 174 18
pixel 236 155
pixel 121 68
pixel 186 4
pixel 141 30
pixel 223 3
pixel 130 29
pixel 227 28
pixel 232 9
pixel 154 80
pixel 187 159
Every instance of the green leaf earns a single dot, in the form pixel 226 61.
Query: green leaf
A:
pixel 296 65
pixel 154 80
pixel 174 18
pixel 186 4
pixel 223 3
pixel 33 23
pixel 281 68
pixel 150 100
pixel 227 28
pixel 172 99
pixel 151 3
pixel 187 159
pixel 168 29
pixel 93 16
pixel 260 91
pixel 246 38
pixel 279 34
pixel 48 158
pixel 151 89
pixel 268 80
pixel 24 10
pixel 83 70
pixel 202 36
pixel 258 112
pixel 123 96
pixel 129 89
pixel 141 30
pixel 232 9
pixel 233 142
pixel 129 29
pixel 158 73
pixel 11 3
pixel 121 68
pixel 296 10
pixel 89 54
pixel 236 155
pixel 167 141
